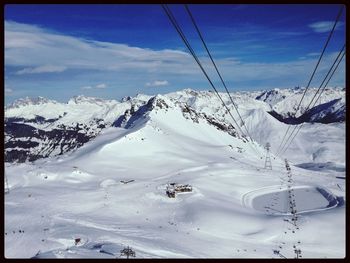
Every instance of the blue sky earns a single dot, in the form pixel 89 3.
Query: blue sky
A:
pixel 111 51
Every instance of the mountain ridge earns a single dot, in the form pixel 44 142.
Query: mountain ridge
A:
pixel 39 128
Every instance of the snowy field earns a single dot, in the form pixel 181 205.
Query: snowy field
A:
pixel 237 209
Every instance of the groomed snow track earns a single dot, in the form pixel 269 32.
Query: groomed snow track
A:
pixel 308 199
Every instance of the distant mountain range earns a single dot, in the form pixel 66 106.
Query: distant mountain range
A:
pixel 38 128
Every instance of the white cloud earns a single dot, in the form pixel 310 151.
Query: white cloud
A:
pixel 86 87
pixel 284 72
pixel 324 26
pixel 98 86
pixel 313 54
pixel 41 69
pixel 8 90
pixel 35 48
pixel 101 86
pixel 157 83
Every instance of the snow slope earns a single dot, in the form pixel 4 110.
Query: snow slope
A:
pixel 40 128
pixel 80 194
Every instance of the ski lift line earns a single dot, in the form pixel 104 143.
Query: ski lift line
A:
pixel 312 106
pixel 293 211
pixel 329 71
pixel 214 64
pixel 318 62
pixel 285 148
pixel 308 107
pixel 319 88
pixel 184 39
pixel 330 77
pixel 286 224
pixel 279 147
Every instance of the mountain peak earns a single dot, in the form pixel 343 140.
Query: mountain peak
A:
pixel 126 98
pixel 30 101
pixel 158 101
pixel 82 99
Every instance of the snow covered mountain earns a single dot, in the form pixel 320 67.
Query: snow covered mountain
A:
pixel 329 112
pixel 111 192
pixel 38 128
pixel 41 128
pixel 284 102
pixel 274 96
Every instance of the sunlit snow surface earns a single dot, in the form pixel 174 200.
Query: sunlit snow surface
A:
pixel 54 201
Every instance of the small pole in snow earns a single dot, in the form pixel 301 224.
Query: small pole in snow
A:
pixel 298 253
pixel 7 188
